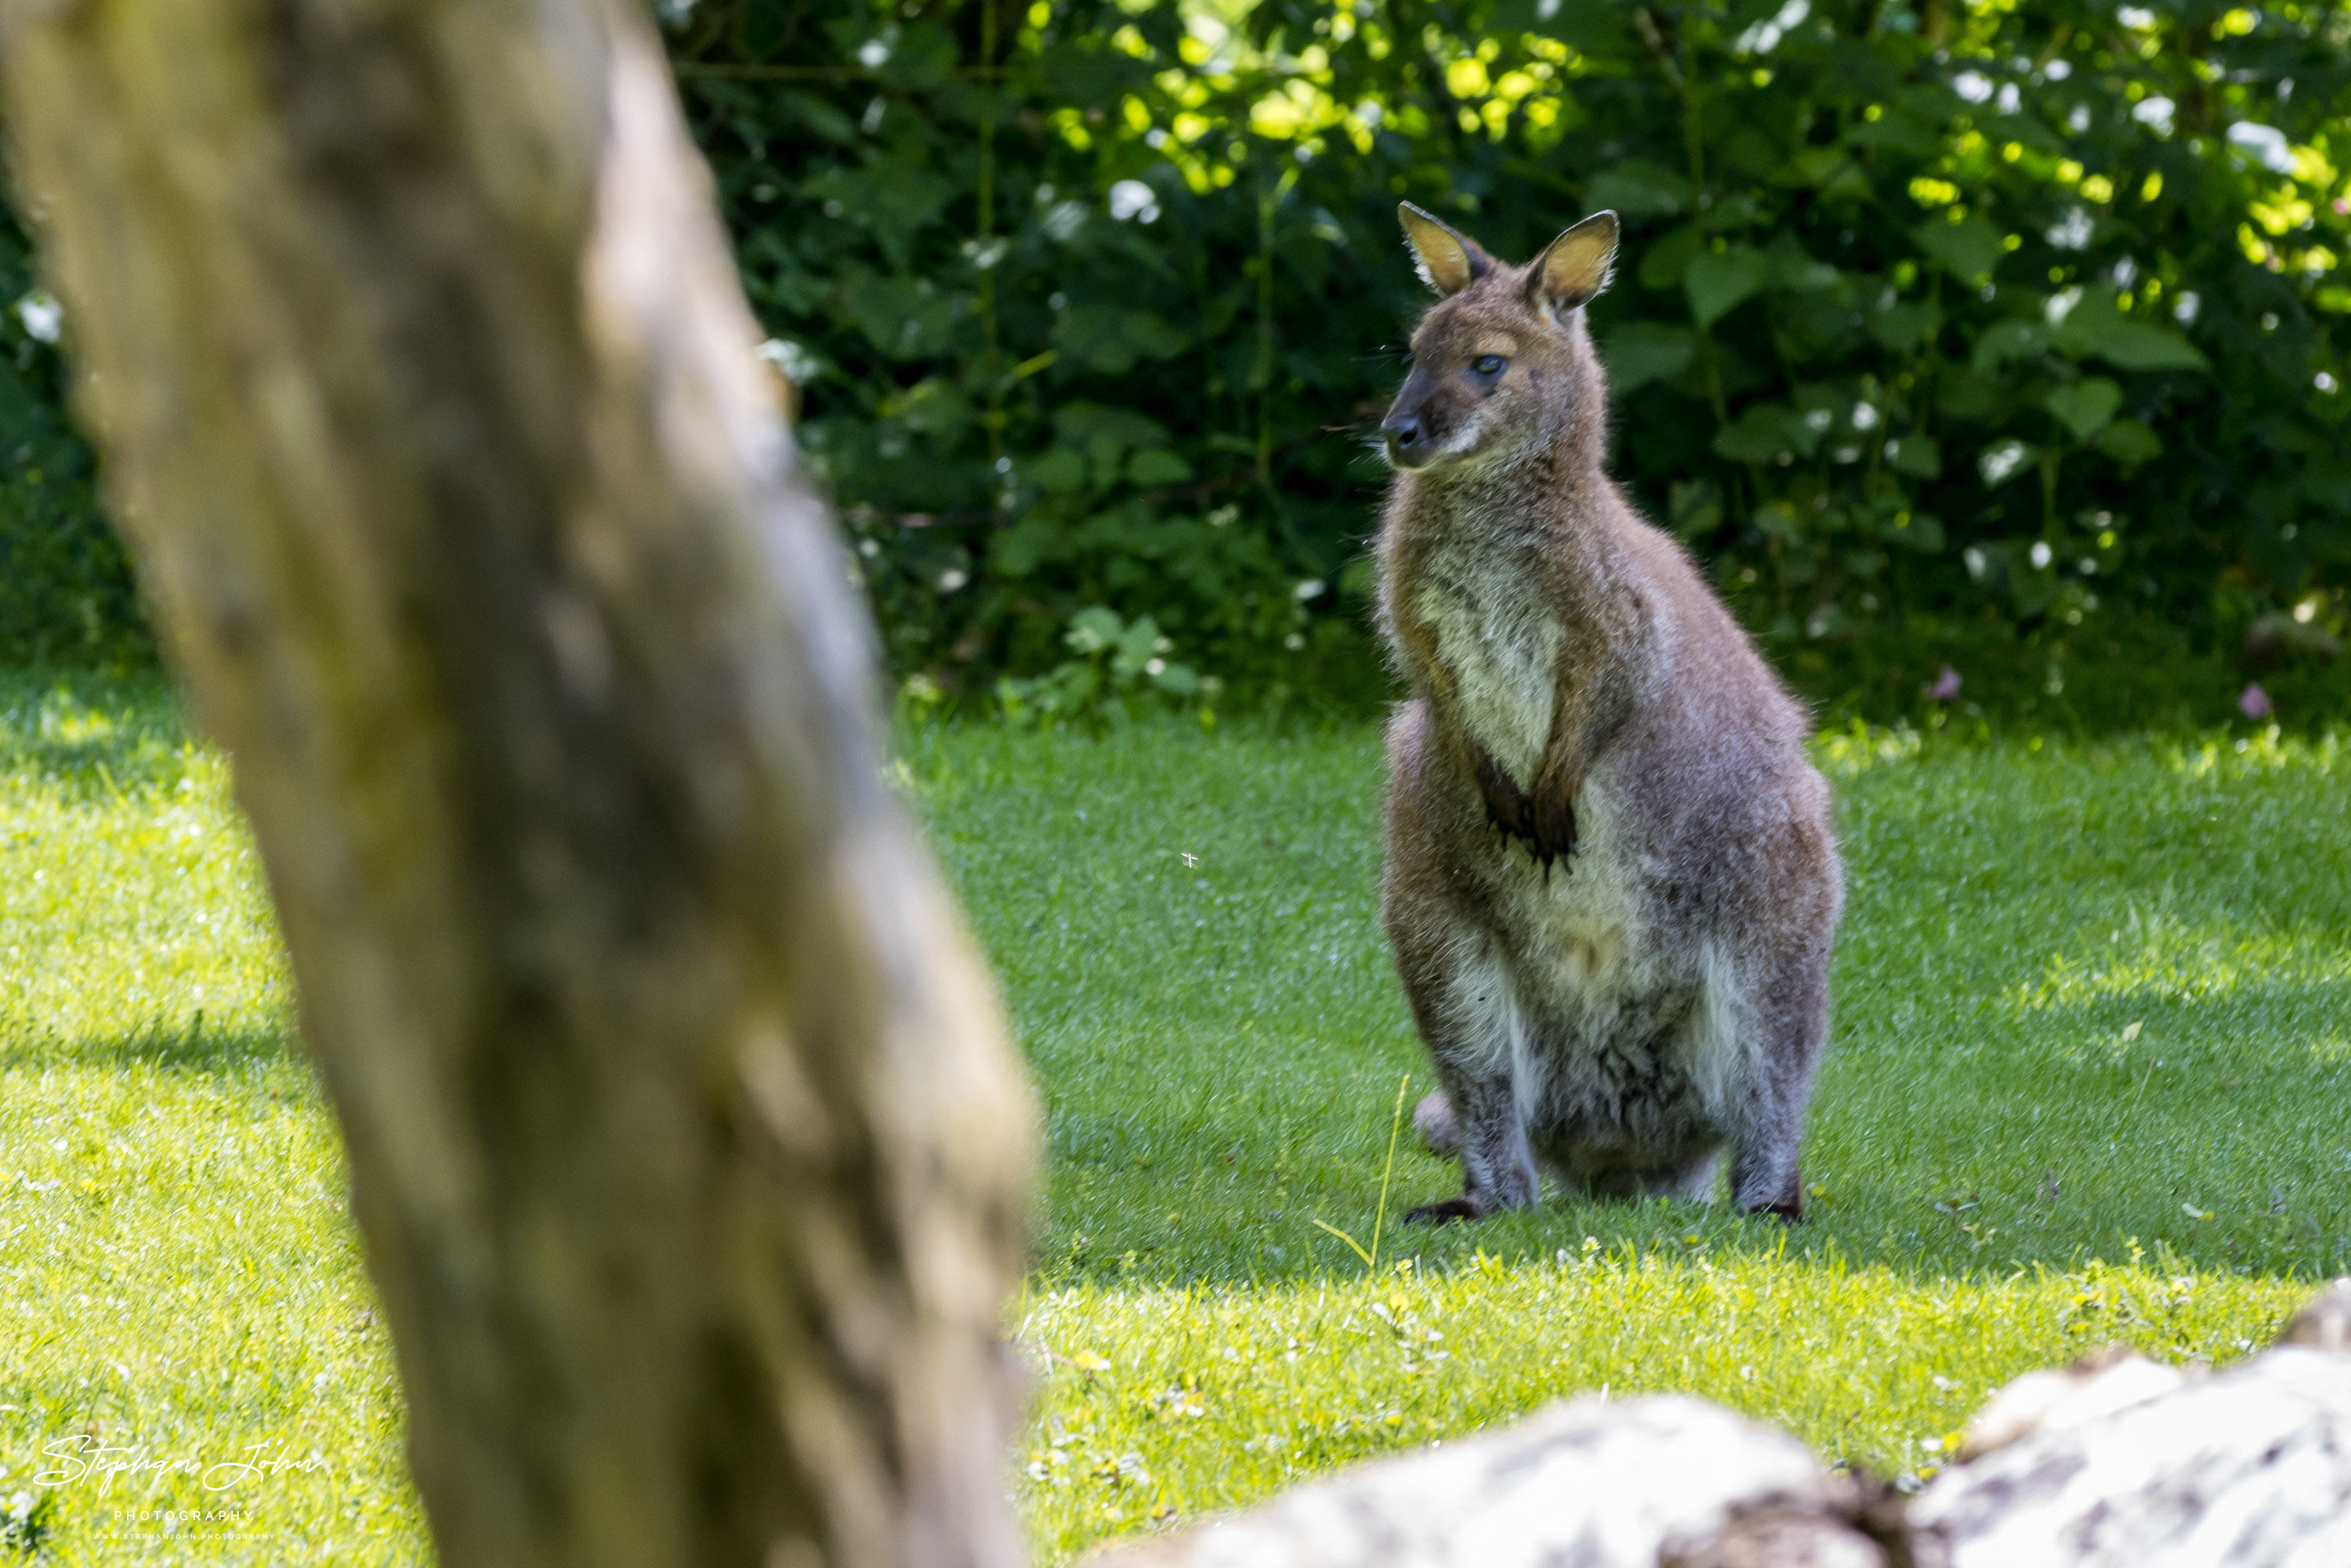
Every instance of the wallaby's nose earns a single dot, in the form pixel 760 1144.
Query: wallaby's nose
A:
pixel 1404 432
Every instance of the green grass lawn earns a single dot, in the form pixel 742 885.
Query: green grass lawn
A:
pixel 2094 1007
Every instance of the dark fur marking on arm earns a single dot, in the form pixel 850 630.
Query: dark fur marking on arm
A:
pixel 1546 822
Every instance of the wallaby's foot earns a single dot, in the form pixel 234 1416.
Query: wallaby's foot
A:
pixel 1432 1120
pixel 1787 1207
pixel 1450 1208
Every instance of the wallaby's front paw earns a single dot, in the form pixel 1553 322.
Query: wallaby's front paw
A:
pixel 1439 1213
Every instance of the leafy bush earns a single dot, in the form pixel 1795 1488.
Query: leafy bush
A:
pixel 2006 337
pixel 65 589
pixel 1984 332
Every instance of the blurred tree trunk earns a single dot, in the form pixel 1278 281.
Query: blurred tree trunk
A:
pixel 687 1154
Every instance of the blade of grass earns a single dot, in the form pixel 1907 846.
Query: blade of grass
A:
pixel 1395 1126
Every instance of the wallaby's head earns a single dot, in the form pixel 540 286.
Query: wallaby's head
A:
pixel 1502 364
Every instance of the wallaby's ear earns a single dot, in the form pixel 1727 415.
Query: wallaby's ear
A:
pixel 1447 261
pixel 1573 268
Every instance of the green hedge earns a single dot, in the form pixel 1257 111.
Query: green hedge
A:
pixel 2002 335
pixel 2008 336
pixel 64 590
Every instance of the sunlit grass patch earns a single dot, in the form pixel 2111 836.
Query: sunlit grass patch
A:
pixel 1163 1403
pixel 178 1280
pixel 2091 1003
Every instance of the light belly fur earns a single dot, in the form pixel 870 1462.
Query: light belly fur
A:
pixel 1602 996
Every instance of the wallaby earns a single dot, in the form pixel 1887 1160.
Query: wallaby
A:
pixel 1611 879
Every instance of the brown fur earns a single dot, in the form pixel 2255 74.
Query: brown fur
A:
pixel 1611 880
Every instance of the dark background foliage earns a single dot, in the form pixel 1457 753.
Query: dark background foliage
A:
pixel 2003 336
pixel 65 589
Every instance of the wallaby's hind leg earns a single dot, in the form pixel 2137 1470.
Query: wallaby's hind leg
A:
pixel 1496 1171
pixel 1792 1018
pixel 1462 1002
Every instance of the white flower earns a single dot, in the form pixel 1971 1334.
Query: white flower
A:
pixel 2183 310
pixel 1764 37
pixel 1973 85
pixel 2155 113
pixel 2040 552
pixel 2009 99
pixel 2137 18
pixel 2001 460
pixel 1310 589
pixel 795 362
pixel 2073 232
pixel 2266 142
pixel 43 317
pixel 1132 198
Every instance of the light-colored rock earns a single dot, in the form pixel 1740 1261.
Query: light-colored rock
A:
pixel 2246 1468
pixel 2062 1396
pixel 2113 1462
pixel 1594 1483
pixel 2325 1323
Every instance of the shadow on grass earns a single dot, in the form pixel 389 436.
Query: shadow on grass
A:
pixel 101 734
pixel 194 1049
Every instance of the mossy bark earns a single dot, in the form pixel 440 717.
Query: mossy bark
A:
pixel 685 1146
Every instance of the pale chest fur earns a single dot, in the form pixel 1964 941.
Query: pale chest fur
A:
pixel 1498 643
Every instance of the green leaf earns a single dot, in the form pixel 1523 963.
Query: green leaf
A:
pixel 1022 548
pixel 1646 352
pixel 1917 456
pixel 1059 472
pixel 1920 531
pixel 1664 263
pixel 1111 340
pixel 1793 268
pixel 1136 646
pixel 1093 628
pixel 1901 328
pixel 1586 24
pixel 1719 280
pixel 1637 187
pixel 1157 466
pixel 2085 407
pixel 1080 423
pixel 2005 340
pixel 2128 441
pixel 1968 250
pixel 1180 679
pixel 2139 346
pixel 1759 434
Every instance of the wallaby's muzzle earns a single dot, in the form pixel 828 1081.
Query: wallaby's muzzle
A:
pixel 1407 439
pixel 1412 441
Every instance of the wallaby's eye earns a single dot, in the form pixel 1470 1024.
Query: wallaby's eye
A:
pixel 1487 365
